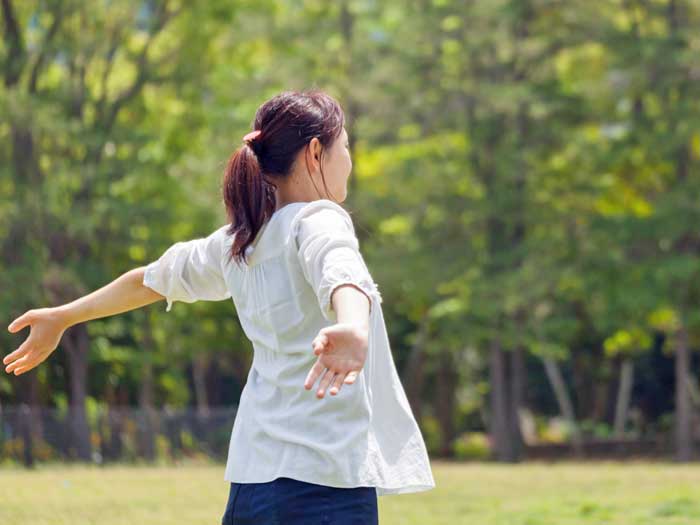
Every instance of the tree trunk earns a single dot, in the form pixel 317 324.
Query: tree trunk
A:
pixel 76 343
pixel 623 396
pixel 683 416
pixel 148 416
pixel 507 378
pixel 30 395
pixel 147 434
pixel 516 400
pixel 118 400
pixel 414 374
pixel 28 416
pixel 499 424
pixel 566 407
pixel 446 384
pixel 200 364
pixel 116 427
pixel 602 391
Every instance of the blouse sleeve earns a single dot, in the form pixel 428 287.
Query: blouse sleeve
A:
pixel 328 252
pixel 190 271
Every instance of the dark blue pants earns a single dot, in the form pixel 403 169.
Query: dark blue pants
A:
pixel 286 501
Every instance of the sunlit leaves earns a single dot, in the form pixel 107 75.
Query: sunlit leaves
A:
pixel 627 342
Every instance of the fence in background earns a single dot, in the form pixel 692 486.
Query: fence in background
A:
pixel 30 433
pixel 102 435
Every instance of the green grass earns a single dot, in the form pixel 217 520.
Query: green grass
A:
pixel 467 493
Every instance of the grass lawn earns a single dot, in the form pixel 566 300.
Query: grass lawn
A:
pixel 467 493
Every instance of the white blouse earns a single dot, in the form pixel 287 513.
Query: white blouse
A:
pixel 366 434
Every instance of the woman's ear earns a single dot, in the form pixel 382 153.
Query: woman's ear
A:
pixel 314 150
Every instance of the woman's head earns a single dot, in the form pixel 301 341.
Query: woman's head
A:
pixel 299 154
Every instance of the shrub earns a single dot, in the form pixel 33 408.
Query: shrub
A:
pixel 432 434
pixel 472 445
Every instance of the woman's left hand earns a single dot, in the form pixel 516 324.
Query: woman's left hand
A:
pixel 342 350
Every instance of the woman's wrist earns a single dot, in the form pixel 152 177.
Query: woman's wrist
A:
pixel 362 328
pixel 361 333
pixel 65 315
pixel 352 305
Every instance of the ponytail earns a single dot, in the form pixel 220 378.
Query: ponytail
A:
pixel 249 199
pixel 282 127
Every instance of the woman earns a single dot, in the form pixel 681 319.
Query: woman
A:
pixel 290 261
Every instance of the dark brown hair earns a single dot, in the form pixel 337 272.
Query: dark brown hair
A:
pixel 287 123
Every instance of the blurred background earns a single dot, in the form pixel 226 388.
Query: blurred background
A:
pixel 525 188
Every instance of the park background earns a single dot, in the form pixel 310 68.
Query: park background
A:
pixel 525 189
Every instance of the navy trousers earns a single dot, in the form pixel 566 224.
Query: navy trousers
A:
pixel 286 501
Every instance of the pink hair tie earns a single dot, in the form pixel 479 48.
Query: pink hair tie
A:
pixel 251 135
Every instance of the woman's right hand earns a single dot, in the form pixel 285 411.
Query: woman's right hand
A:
pixel 47 327
pixel 342 351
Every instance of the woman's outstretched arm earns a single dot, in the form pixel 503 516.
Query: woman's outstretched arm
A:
pixel 342 347
pixel 126 292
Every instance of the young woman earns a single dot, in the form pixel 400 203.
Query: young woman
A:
pixel 290 261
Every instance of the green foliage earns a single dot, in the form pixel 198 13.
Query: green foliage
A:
pixel 525 173
pixel 432 434
pixel 472 445
pixel 625 342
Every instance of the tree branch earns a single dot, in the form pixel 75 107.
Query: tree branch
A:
pixel 142 75
pixel 107 116
pixel 50 34
pixel 109 59
pixel 15 44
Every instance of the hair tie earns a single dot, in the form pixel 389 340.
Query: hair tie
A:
pixel 252 135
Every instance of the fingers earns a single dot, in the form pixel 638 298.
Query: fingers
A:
pixel 325 381
pixel 337 383
pixel 19 323
pixel 335 380
pixel 319 343
pixel 21 363
pixel 18 361
pixel 313 374
pixel 19 371
pixel 328 377
pixel 22 350
pixel 27 368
